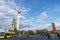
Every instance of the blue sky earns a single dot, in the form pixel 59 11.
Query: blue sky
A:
pixel 38 13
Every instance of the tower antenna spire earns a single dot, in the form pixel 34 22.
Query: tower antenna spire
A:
pixel 18 17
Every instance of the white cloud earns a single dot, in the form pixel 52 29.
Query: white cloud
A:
pixel 25 10
pixel 27 22
pixel 2 14
pixel 7 17
pixel 12 4
pixel 8 9
pixel 48 27
pixel 58 19
pixel 22 17
pixel 2 2
pixel 1 30
pixel 13 12
pixel 41 17
pixel 57 23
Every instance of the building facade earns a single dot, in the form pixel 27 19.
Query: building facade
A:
pixel 53 27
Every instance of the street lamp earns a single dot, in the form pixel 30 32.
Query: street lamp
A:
pixel 28 27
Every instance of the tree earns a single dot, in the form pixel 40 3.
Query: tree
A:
pixel 41 32
pixel 30 32
pixel 23 32
pixel 17 32
pixel 38 32
pixel 45 32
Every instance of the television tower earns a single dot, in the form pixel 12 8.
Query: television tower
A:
pixel 18 17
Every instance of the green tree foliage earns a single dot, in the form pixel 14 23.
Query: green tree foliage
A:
pixel 53 32
pixel 30 32
pixel 23 32
pixel 17 32
pixel 41 32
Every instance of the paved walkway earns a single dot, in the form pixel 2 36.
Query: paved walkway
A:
pixel 28 38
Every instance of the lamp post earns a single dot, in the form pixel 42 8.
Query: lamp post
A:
pixel 28 27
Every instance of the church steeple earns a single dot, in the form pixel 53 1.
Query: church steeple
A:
pixel 13 25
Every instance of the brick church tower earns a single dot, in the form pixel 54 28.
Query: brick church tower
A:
pixel 53 27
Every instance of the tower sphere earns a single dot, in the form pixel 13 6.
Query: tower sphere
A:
pixel 19 11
